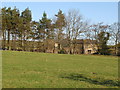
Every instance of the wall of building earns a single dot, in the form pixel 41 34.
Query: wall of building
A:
pixel 90 48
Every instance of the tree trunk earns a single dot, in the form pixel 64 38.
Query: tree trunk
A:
pixel 24 42
pixel 4 40
pixel 12 43
pixel 21 42
pixel 116 47
pixel 8 41
pixel 15 41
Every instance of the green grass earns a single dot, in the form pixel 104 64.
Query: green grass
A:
pixel 41 70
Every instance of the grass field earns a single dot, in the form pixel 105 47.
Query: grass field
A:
pixel 41 70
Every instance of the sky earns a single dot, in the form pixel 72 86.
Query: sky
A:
pixel 94 12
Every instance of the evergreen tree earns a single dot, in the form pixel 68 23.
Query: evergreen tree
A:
pixel 26 17
pixel 59 25
pixel 45 29
pixel 15 27
pixel 8 25
pixel 103 37
pixel 34 34
pixel 45 25
pixel 4 26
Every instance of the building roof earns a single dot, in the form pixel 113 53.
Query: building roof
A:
pixel 88 41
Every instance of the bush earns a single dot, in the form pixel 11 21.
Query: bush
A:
pixel 62 51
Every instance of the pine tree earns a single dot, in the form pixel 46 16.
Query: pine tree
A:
pixel 34 34
pixel 45 29
pixel 59 25
pixel 15 26
pixel 8 26
pixel 103 37
pixel 26 17
pixel 4 28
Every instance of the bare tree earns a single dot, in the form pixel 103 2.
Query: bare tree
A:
pixel 75 26
pixel 92 33
pixel 115 34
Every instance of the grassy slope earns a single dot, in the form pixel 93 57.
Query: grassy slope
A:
pixel 40 70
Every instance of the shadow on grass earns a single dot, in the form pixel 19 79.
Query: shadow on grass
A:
pixel 80 77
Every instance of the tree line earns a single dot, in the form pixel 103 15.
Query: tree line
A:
pixel 19 32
